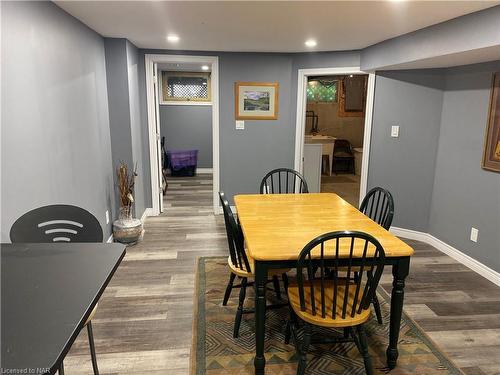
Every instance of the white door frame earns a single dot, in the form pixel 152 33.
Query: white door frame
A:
pixel 212 61
pixel 303 74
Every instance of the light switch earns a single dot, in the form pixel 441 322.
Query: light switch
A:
pixel 474 233
pixel 395 131
pixel 240 124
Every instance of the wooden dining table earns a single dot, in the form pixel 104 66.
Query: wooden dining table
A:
pixel 278 226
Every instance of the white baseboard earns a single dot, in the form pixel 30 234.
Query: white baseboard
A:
pixel 205 170
pixel 110 239
pixel 410 234
pixel 147 212
pixel 449 250
pixel 198 171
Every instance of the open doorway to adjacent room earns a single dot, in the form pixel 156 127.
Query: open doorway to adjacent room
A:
pixel 183 117
pixel 334 124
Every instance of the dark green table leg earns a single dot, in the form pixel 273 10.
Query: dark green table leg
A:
pixel 260 316
pixel 399 272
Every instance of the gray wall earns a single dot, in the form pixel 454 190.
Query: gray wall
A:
pixel 476 31
pixel 140 153
pixel 245 156
pixel 125 117
pixel 55 126
pixel 119 112
pixel 465 195
pixel 188 127
pixel 405 165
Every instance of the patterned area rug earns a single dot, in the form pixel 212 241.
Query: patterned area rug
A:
pixel 216 352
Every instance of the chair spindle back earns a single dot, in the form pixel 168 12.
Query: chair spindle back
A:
pixel 283 181
pixel 338 252
pixel 234 237
pixel 378 205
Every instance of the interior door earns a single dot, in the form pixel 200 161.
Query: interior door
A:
pixel 158 136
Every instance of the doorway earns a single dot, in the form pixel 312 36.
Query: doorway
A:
pixel 334 115
pixel 155 66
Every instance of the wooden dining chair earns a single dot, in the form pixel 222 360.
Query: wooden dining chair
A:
pixel 378 205
pixel 337 301
pixel 242 266
pixel 60 223
pixel 283 181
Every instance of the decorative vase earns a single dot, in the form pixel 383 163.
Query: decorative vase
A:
pixel 127 229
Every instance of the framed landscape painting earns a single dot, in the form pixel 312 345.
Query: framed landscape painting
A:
pixel 491 157
pixel 256 100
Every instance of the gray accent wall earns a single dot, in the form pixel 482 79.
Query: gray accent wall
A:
pixel 55 141
pixel 464 194
pixel 126 127
pixel 405 165
pixel 188 127
pixel 140 152
pixel 434 168
pixel 247 155
pixel 457 38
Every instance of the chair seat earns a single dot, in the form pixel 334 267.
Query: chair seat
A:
pixel 327 321
pixel 343 154
pixel 242 273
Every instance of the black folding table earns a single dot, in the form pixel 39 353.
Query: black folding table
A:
pixel 48 292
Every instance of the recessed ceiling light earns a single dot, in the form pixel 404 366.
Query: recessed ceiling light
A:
pixel 205 67
pixel 173 38
pixel 311 43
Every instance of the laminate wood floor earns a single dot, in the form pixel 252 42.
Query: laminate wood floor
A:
pixel 144 321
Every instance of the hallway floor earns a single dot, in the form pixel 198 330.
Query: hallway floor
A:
pixel 345 185
pixel 143 324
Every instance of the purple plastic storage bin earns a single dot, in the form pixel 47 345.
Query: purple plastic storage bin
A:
pixel 183 163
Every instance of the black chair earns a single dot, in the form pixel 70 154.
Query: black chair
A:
pixel 342 153
pixel 60 223
pixel 242 266
pixel 338 300
pixel 378 205
pixel 283 181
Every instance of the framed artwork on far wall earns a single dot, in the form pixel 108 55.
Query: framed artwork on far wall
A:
pixel 256 100
pixel 491 156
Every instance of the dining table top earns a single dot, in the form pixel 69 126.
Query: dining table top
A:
pixel 276 227
pixel 48 292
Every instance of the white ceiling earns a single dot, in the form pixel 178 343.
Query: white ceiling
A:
pixel 266 26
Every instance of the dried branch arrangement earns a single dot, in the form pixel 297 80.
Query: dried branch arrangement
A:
pixel 126 182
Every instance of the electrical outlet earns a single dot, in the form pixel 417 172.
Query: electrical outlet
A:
pixel 107 217
pixel 240 125
pixel 395 131
pixel 474 233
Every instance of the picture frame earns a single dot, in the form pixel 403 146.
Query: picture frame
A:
pixel 256 100
pixel 491 153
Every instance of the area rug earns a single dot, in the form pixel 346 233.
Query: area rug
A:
pixel 216 352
